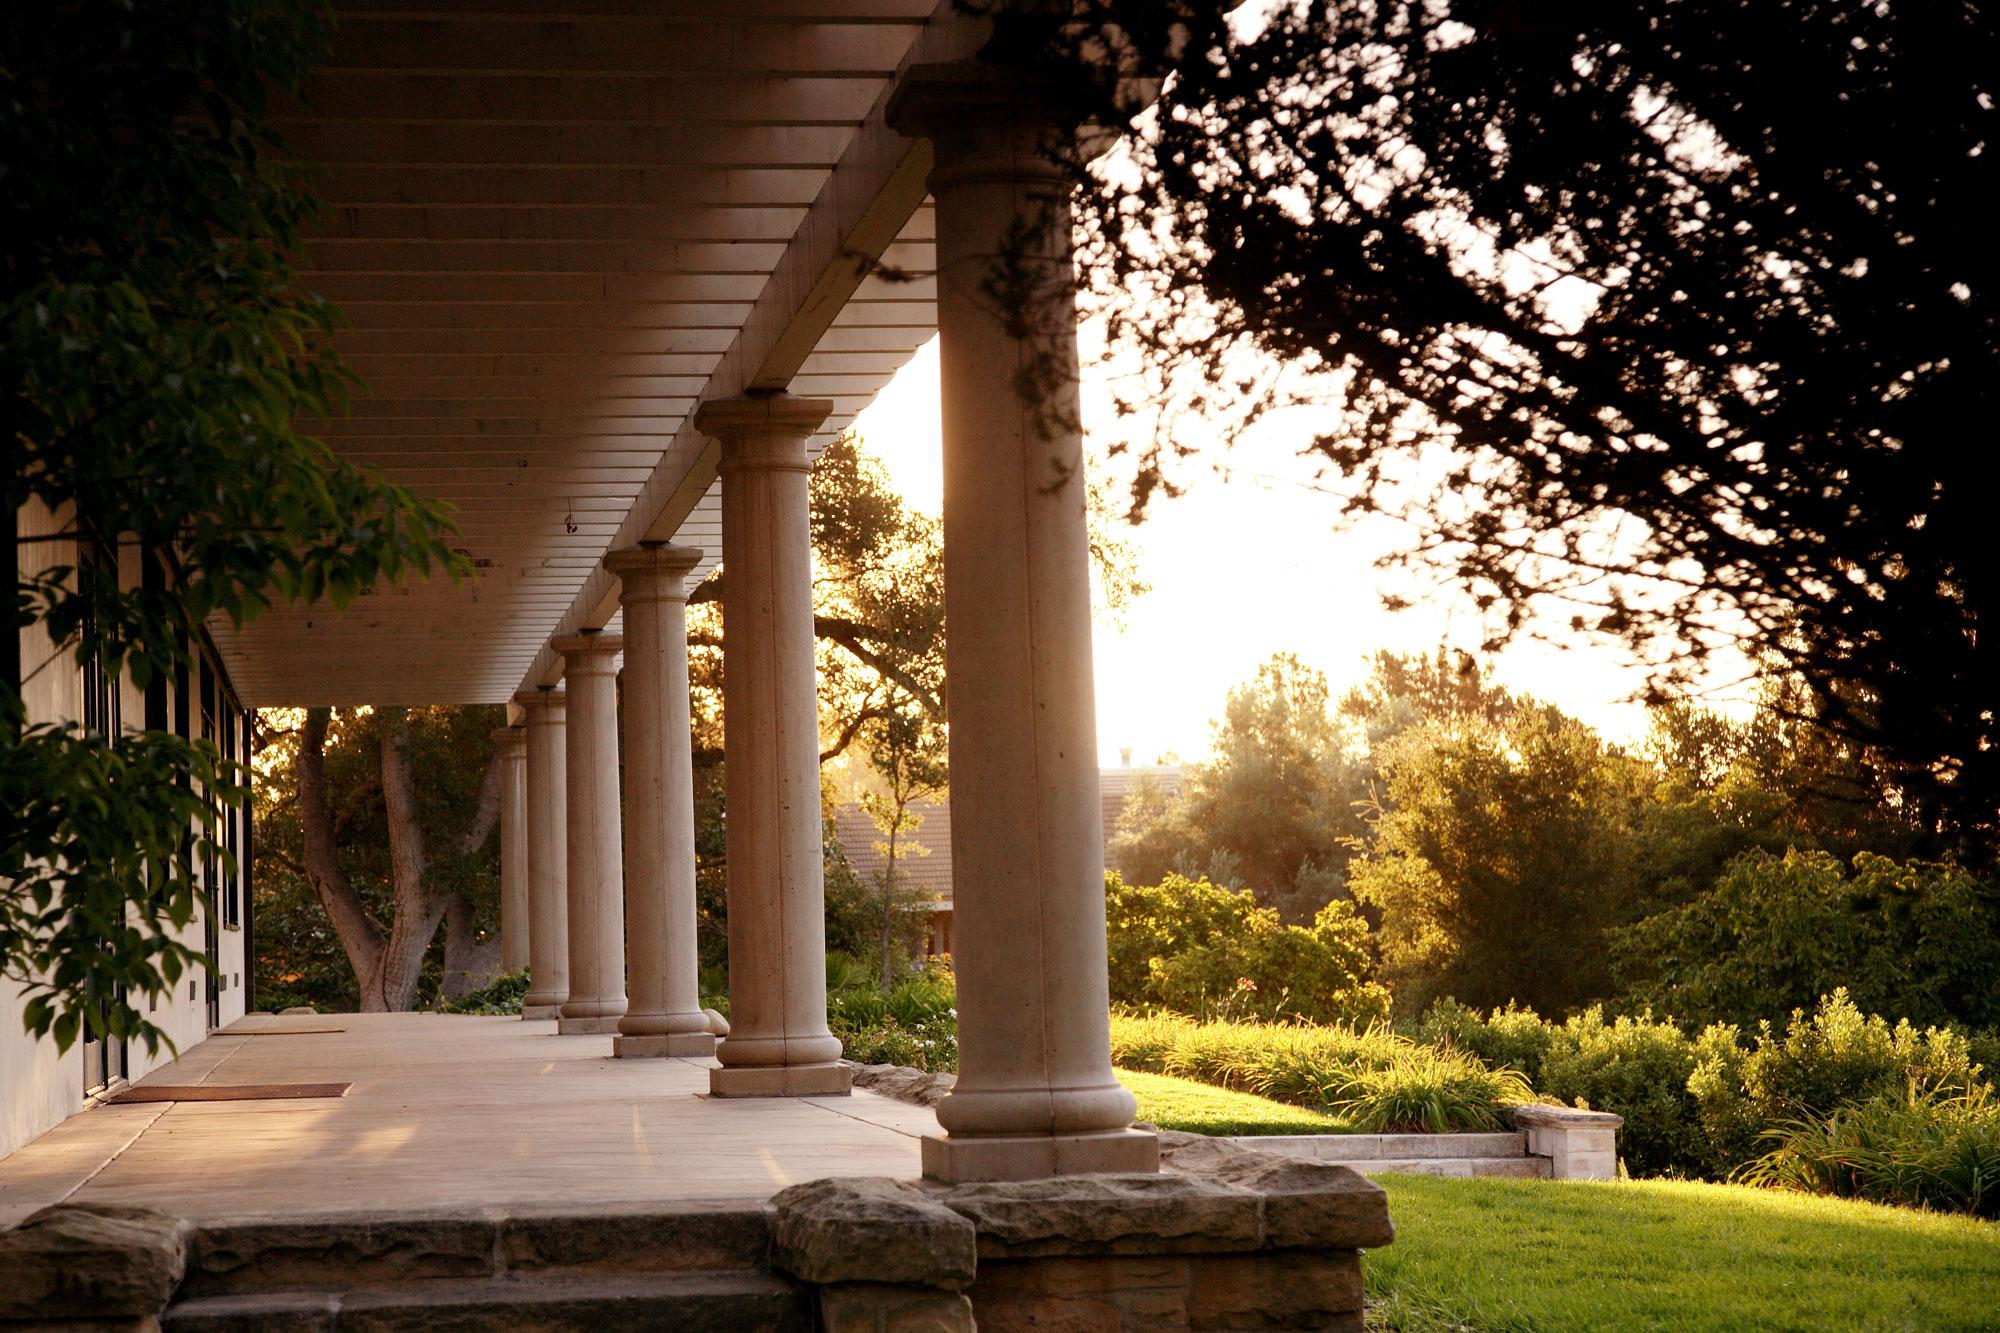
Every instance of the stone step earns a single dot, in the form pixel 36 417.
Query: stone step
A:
pixel 1523 1168
pixel 1355 1149
pixel 702 1302
pixel 391 1251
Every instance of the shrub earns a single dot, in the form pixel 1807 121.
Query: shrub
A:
pixel 931 1046
pixel 1922 1150
pixel 1839 1055
pixel 1429 1090
pixel 1775 933
pixel 914 1024
pixel 1210 952
pixel 1731 1123
pixel 1834 1057
pixel 503 995
pixel 1510 1038
pixel 1637 1068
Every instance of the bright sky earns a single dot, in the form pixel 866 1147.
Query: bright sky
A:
pixel 1244 566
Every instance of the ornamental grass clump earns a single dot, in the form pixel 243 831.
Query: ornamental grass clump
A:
pixel 1385 1079
pixel 1925 1150
pixel 1429 1090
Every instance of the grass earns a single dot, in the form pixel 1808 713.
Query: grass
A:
pixel 1367 1078
pixel 1504 1255
pixel 1182 1103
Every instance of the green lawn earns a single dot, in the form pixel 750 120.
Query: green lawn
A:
pixel 1493 1255
pixel 1182 1103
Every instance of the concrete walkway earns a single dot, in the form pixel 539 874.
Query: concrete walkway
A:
pixel 448 1111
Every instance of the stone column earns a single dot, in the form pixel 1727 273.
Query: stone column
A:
pixel 778 1044
pixel 662 970
pixel 513 751
pixel 596 867
pixel 1036 1095
pixel 548 854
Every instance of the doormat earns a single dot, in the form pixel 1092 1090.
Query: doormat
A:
pixel 279 1032
pixel 224 1092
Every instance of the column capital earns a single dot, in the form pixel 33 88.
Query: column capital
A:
pixel 724 417
pixel 511 737
pixel 583 650
pixel 549 696
pixel 653 570
pixel 1001 119
pixel 950 94
pixel 762 429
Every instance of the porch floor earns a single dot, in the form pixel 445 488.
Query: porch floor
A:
pixel 448 1112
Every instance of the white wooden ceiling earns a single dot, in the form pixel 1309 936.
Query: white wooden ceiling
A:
pixel 554 229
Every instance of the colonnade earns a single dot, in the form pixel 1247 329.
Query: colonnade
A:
pixel 610 896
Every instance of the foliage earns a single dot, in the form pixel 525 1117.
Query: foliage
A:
pixel 1774 933
pixel 905 748
pixel 1636 1068
pixel 1518 1255
pixel 449 750
pixel 1832 1057
pixel 1666 318
pixel 1430 1091
pixel 97 873
pixel 1510 1038
pixel 502 996
pixel 1272 812
pixel 1498 856
pixel 1199 1108
pixel 913 1023
pixel 158 359
pixel 1209 952
pixel 1922 1151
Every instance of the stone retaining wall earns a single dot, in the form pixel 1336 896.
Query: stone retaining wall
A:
pixel 1222 1238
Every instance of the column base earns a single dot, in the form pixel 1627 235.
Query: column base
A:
pixel 587 1027
pixel 532 1012
pixel 687 1044
pixel 827 1080
pixel 962 1160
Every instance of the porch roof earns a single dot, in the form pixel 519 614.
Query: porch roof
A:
pixel 448 1112
pixel 555 230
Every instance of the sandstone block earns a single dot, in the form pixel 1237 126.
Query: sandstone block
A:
pixel 615 1241
pixel 1083 1295
pixel 278 1254
pixel 91 1261
pixel 1071 1215
pixel 872 1230
pixel 827 1080
pixel 681 1045
pixel 1275 1291
pixel 1306 1204
pixel 873 1307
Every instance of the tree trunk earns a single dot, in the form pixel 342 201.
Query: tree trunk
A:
pixel 469 964
pixel 889 901
pixel 360 936
pixel 418 910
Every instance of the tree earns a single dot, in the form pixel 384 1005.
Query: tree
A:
pixel 1211 952
pixel 1669 318
pixel 155 354
pixel 1916 939
pixel 386 817
pixel 1272 812
pixel 1498 859
pixel 907 751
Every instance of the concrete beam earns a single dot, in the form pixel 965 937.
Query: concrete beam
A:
pixel 874 190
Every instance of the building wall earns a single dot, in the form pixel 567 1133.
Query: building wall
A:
pixel 40 1088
